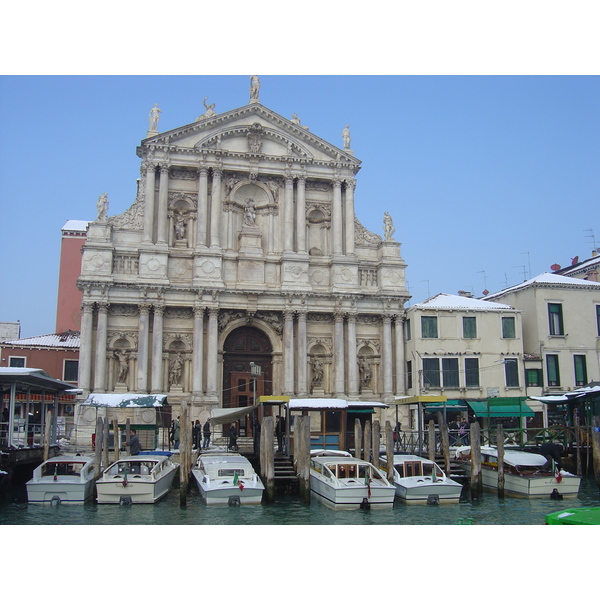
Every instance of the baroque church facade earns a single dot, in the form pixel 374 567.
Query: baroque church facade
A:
pixel 242 249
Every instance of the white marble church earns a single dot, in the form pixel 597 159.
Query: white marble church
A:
pixel 242 247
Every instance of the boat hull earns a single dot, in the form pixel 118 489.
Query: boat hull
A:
pixel 419 492
pixel 540 485
pixel 352 495
pixel 139 489
pixel 60 491
pixel 220 494
pixel 585 515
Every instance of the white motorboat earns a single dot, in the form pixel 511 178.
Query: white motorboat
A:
pixel 62 480
pixel 341 481
pixel 141 479
pixel 419 480
pixel 227 478
pixel 524 473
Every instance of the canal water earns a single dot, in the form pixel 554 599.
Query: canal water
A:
pixel 290 510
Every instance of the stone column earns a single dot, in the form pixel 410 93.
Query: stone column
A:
pixel 301 216
pixel 198 351
pixel 338 353
pixel 288 215
pixel 202 214
pixel 353 388
pixel 336 217
pixel 142 353
pixel 288 353
pixel 387 355
pixel 157 349
pixel 302 361
pixel 85 350
pixel 213 352
pixel 349 233
pixel 163 201
pixel 215 209
pixel 100 361
pixel 149 202
pixel 400 360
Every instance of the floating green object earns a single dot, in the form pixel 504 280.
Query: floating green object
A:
pixel 587 515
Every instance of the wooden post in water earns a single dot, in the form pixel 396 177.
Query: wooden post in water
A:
pixel 357 438
pixel 376 443
pixel 431 440
pixel 116 437
pixel 445 444
pixel 578 443
pixel 596 447
pixel 128 435
pixel 105 437
pixel 98 449
pixel 476 482
pixel 184 452
pixel 500 447
pixel 302 455
pixel 367 442
pixel 267 457
pixel 47 433
pixel 389 451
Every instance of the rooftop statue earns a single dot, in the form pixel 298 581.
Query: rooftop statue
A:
pixel 102 207
pixel 210 110
pixel 154 116
pixel 346 136
pixel 254 88
pixel 388 226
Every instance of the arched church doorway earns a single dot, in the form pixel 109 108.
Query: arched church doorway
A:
pixel 243 346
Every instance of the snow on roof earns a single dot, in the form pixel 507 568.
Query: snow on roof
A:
pixel 67 339
pixel 330 403
pixel 450 301
pixel 582 266
pixel 547 279
pixel 74 225
pixel 125 400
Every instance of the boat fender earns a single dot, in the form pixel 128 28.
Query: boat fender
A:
pixel 555 495
pixel 433 500
pixel 365 504
pixel 234 501
pixel 55 501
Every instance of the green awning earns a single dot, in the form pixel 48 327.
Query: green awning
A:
pixel 448 405
pixel 361 410
pixel 501 407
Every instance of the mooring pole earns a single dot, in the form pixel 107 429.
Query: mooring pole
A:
pixel 376 443
pixel 500 447
pixel 267 457
pixel 476 483
pixel 357 438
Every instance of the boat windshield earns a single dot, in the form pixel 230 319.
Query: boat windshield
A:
pixel 72 469
pixel 131 468
pixel 230 472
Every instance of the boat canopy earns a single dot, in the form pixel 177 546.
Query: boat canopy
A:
pixel 501 407
pixel 590 392
pixel 220 416
pixel 125 400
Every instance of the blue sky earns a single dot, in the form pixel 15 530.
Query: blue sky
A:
pixel 489 179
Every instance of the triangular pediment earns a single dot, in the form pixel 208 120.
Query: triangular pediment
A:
pixel 254 130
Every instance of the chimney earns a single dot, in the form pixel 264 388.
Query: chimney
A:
pixel 464 294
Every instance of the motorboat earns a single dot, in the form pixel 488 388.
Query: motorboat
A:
pixel 62 480
pixel 341 481
pixel 227 478
pixel 525 473
pixel 141 479
pixel 419 480
pixel 583 515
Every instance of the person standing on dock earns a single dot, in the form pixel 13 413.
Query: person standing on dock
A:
pixel 134 444
pixel 176 432
pixel 206 431
pixel 197 435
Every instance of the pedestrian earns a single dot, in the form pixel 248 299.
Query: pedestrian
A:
pixel 176 432
pixel 134 443
pixel 279 434
pixel 206 431
pixel 197 435
pixel 232 439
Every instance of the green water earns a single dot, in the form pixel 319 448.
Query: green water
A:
pixel 290 510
